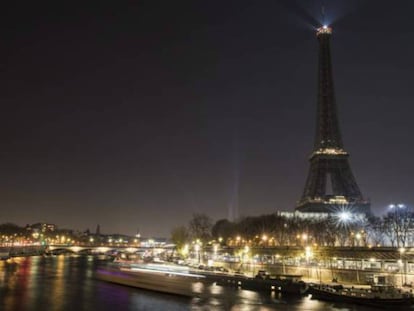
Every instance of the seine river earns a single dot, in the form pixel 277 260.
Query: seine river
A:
pixel 67 283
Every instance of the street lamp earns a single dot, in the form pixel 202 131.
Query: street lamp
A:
pixel 264 239
pixel 215 249
pixel 246 254
pixel 358 237
pixel 304 238
pixel 308 253
pixel 238 238
pixel 197 249
pixel 401 250
pixel 308 256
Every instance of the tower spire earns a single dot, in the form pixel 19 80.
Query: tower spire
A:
pixel 330 180
pixel 327 127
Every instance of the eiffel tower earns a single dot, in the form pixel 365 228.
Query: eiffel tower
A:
pixel 330 183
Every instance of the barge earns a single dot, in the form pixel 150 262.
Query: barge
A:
pixel 379 296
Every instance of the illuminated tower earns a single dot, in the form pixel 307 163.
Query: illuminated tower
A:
pixel 330 181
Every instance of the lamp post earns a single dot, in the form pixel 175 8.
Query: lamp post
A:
pixel 308 253
pixel 305 239
pixel 215 250
pixel 264 240
pixel 246 254
pixel 358 237
pixel 308 256
pixel 197 249
pixel 402 263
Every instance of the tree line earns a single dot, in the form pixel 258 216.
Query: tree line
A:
pixel 395 229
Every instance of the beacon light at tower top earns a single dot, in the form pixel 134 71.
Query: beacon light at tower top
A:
pixel 325 29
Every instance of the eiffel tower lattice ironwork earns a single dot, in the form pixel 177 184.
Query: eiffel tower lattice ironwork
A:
pixel 330 181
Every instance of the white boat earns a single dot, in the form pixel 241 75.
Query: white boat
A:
pixel 169 279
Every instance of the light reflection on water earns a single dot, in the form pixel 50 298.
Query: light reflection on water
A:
pixel 66 283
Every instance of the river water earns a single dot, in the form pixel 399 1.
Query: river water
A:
pixel 67 283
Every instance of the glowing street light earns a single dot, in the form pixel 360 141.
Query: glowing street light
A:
pixel 304 238
pixel 401 250
pixel 264 239
pixel 185 250
pixel 215 249
pixel 246 254
pixel 358 238
pixel 197 249
pixel 308 253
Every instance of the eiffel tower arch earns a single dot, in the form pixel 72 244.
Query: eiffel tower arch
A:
pixel 330 180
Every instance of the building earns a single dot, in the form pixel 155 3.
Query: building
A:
pixel 42 227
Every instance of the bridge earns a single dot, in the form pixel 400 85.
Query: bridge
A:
pixel 94 249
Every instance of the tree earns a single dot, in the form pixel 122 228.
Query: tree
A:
pixel 388 229
pixel 223 229
pixel 200 227
pixel 399 223
pixel 11 228
pixel 179 236
pixel 375 230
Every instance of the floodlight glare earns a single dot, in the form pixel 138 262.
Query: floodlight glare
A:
pixel 344 216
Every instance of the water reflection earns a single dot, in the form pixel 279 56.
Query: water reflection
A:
pixel 66 283
pixel 58 284
pixel 143 300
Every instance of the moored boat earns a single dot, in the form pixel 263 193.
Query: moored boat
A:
pixel 263 282
pixel 380 296
pixel 4 253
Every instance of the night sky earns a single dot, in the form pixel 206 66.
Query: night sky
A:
pixel 137 114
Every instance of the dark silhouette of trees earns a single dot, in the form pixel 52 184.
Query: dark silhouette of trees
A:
pixel 11 228
pixel 200 227
pixel 180 236
pixel 223 229
pixel 396 229
pixel 399 225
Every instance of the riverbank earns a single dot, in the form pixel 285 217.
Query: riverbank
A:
pixel 21 251
pixel 317 274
